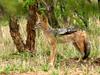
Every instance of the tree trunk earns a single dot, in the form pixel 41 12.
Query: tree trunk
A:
pixel 50 13
pixel 31 34
pixel 15 34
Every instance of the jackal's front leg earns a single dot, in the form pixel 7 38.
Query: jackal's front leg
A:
pixel 52 53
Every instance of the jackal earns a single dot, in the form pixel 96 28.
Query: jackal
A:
pixel 77 37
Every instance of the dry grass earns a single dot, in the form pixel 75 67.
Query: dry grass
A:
pixel 14 63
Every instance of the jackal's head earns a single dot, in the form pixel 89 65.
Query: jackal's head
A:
pixel 42 21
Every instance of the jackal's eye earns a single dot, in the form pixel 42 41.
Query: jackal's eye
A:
pixel 39 23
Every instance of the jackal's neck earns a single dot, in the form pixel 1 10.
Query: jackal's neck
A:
pixel 46 27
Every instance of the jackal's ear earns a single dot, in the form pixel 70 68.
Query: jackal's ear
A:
pixel 38 15
pixel 45 19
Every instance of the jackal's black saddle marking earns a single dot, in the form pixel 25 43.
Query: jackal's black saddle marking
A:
pixel 65 31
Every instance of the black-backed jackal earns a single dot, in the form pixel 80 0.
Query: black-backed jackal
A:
pixel 77 37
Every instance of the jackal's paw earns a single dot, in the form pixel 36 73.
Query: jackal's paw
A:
pixel 51 66
pixel 79 60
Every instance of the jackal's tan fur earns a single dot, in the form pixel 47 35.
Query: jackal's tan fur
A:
pixel 78 38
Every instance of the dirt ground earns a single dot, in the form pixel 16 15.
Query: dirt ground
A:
pixel 89 64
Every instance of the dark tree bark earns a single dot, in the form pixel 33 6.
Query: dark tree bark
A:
pixel 50 13
pixel 31 34
pixel 15 34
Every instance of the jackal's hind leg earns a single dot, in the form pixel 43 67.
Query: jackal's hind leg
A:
pixel 83 47
pixel 80 47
